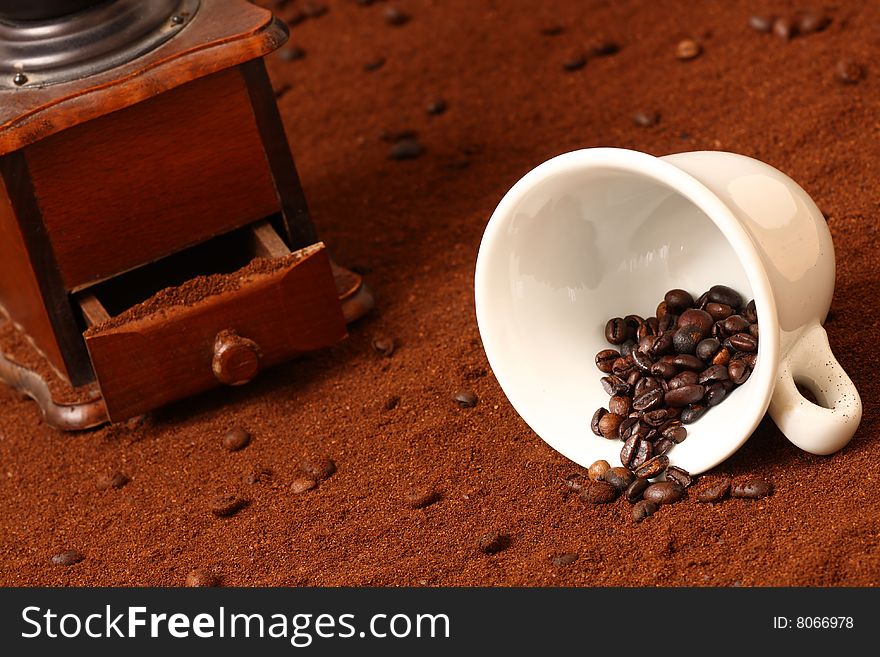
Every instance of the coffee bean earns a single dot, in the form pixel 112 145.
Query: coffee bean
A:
pixel 599 492
pixel 715 394
pixel 749 359
pixel 663 492
pixel 652 467
pixel 644 452
pixel 616 331
pixel 754 331
pixel 688 362
pixel 784 28
pixel 564 559
pixel 634 492
pixel 643 509
pixel 702 301
pixel 236 439
pixel 718 311
pixel 722 357
pixel 597 417
pixel 620 405
pixel 419 498
pixel 725 295
pixel 662 344
pixel 646 119
pixel 436 107
pixel 111 480
pixel 693 413
pixel 628 451
pixel 751 489
pixel 597 470
pixel 633 322
pixel 642 360
pixel 620 478
pixel 574 63
pixel 622 366
pixel 751 312
pixel 663 446
pixel 684 395
pixel 67 558
pixel 406 149
pixel 614 385
pixel 648 400
pixel 738 371
pixel 627 347
pixel 465 398
pixel 633 378
pixel 492 542
pixel 605 359
pixel 686 339
pixel 735 324
pixel 663 370
pixel 687 378
pixel 812 21
pixel 396 17
pixel 677 301
pixel 257 474
pixel 713 373
pixel 698 318
pixel 383 345
pixel 656 417
pixel 302 484
pixel 674 431
pixel 761 23
pixel 744 342
pixel 223 506
pixel 687 49
pixel 609 425
pixel 706 349
pixel 200 578
pixel 318 466
pixel 374 64
pixel 712 489
pixel 646 330
pixel 679 475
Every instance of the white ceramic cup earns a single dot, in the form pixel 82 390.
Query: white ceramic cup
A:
pixel 605 232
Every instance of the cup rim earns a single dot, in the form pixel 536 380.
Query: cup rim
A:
pixel 654 168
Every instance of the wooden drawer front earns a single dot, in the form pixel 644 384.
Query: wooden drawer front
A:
pixel 152 179
pixel 145 363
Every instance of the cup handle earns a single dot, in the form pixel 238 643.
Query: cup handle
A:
pixel 817 429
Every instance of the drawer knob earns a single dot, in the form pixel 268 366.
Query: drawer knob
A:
pixel 236 359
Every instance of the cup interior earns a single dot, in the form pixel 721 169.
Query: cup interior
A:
pixel 574 245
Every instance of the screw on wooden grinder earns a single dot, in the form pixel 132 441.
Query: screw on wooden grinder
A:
pixel 155 237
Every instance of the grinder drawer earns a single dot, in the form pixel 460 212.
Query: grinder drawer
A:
pixel 219 329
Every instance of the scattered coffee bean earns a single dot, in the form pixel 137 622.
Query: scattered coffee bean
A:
pixel 564 559
pixel 706 349
pixel 693 413
pixel 663 492
pixel 688 362
pixel 605 360
pixel 688 378
pixel 620 478
pixel 597 470
pixel 620 405
pixel 643 509
pixel 301 484
pixel 712 489
pixel 751 489
pixel 419 498
pixel 635 490
pixel 738 371
pixel 735 324
pixel 406 149
pixel 575 481
pixel 715 394
pixel 396 17
pixel 679 475
pixel 662 446
pixel 725 295
pixel 318 466
pixel 599 492
pixel 684 395
pixel 744 342
pixel 687 49
pixel 436 107
pixel 111 480
pixel 674 431
pixel 810 22
pixel 597 417
pixel 761 23
pixel 696 317
pixel 574 63
pixel 616 331
pixel 652 467
pixel 718 311
pixel 687 338
pixel 614 385
pixel 223 506
pixel 646 119
pixel 492 542
pixel 383 345
pixel 628 451
pixel 465 398
pixel 649 399
pixel 609 425
pixel 67 558
pixel 713 373
pixel 257 474
pixel 677 301
pixel 784 28
pixel 236 439
pixel 199 578
pixel 644 452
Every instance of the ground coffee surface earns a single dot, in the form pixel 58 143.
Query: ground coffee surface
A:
pixel 422 487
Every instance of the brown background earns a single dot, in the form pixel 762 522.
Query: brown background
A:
pixel 417 225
